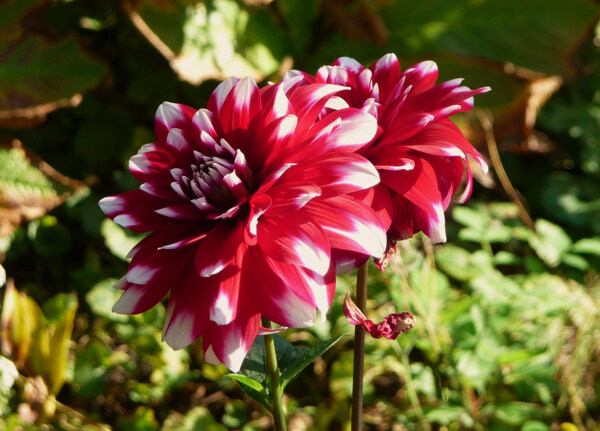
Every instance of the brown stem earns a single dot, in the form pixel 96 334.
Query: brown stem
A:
pixel 359 351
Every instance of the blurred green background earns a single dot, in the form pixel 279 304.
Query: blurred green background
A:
pixel 508 311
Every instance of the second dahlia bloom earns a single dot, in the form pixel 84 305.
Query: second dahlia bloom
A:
pixel 420 154
pixel 244 201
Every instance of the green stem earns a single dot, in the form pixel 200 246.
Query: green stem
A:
pixel 359 351
pixel 275 391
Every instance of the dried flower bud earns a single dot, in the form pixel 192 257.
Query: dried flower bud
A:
pixel 391 326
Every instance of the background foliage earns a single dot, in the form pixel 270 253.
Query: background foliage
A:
pixel 508 310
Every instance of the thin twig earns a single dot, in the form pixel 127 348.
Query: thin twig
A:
pixel 513 194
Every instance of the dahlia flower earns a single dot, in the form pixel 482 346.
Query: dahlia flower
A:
pixel 421 155
pixel 244 201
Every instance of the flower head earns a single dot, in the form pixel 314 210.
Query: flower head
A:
pixel 244 201
pixel 421 155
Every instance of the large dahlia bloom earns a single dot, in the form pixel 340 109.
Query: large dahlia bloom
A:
pixel 244 201
pixel 420 154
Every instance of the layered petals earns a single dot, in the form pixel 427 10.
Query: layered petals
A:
pixel 421 156
pixel 244 202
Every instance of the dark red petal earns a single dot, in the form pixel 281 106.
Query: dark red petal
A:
pixel 136 210
pixel 219 249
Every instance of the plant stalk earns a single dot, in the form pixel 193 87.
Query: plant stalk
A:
pixel 359 351
pixel 275 391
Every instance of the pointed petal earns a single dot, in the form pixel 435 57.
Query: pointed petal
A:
pixel 171 115
pixel 350 225
pixel 295 241
pixel 218 250
pixel 230 343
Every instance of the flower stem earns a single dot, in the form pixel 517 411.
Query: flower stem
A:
pixel 359 351
pixel 275 391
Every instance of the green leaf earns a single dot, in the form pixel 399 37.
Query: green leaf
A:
pixel 101 299
pixel 550 242
pixel 255 365
pixel 118 240
pixel 491 30
pixel 535 426
pixel 587 246
pixel 22 182
pixel 517 413
pixel 215 39
pixel 252 388
pixel 290 372
pixel 444 415
pixel 35 72
pixel 196 419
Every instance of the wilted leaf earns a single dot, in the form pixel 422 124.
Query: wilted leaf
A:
pixel 29 187
pixel 21 318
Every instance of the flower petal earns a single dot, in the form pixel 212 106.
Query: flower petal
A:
pixel 297 242
pixel 350 225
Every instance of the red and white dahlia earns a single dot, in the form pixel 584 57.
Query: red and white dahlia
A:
pixel 244 201
pixel 421 155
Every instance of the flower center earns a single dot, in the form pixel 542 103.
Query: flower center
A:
pixel 217 184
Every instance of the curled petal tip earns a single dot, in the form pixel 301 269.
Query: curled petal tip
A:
pixel 352 312
pixel 391 326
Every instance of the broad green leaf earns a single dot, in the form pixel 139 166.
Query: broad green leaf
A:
pixel 517 413
pixel 28 190
pixel 252 388
pixel 255 366
pixel 535 426
pixel 142 420
pixel 290 372
pixel 196 419
pixel 576 261
pixel 22 182
pixel 535 34
pixel 101 299
pixel 118 240
pixel 473 369
pixel 471 217
pixel 214 39
pixel 550 242
pixel 91 368
pixel 35 72
pixel 587 246
pixel 445 415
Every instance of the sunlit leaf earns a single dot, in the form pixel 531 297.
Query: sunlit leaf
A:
pixel 211 40
pixel 550 242
pixel 28 187
pixel 252 388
